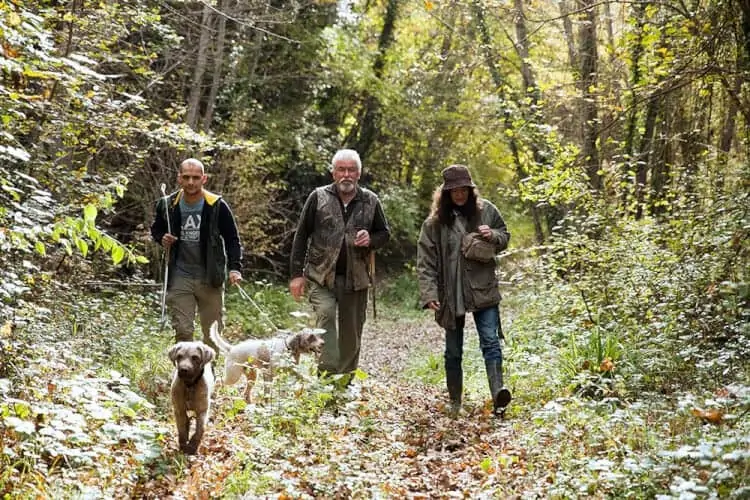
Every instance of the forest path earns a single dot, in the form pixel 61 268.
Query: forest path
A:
pixel 389 437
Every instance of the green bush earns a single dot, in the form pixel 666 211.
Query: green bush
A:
pixel 402 209
pixel 268 309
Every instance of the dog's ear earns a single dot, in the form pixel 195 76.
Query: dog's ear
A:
pixel 295 347
pixel 295 343
pixel 208 353
pixel 172 352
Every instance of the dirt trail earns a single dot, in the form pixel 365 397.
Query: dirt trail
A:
pixel 412 449
pixel 388 344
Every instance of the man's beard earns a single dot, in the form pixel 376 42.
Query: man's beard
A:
pixel 346 186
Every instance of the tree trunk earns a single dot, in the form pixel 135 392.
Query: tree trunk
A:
pixel 693 147
pixel 590 108
pixel 368 129
pixel 218 66
pixel 569 37
pixel 445 78
pixel 489 59
pixel 196 86
pixel 532 90
pixel 645 154
pixel 661 163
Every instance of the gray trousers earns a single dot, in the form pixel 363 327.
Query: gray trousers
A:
pixel 341 313
pixel 184 297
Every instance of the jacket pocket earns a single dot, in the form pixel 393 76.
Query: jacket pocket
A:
pixel 484 289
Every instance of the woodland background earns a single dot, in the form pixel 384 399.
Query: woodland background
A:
pixel 613 136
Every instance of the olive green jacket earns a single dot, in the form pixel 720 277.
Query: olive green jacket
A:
pixel 438 251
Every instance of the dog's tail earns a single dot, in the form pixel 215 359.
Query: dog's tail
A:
pixel 223 345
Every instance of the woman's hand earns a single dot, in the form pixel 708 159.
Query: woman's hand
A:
pixel 485 231
pixel 434 305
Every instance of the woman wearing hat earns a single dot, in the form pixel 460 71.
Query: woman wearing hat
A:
pixel 456 268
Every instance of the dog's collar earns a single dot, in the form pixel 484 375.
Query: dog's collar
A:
pixel 195 381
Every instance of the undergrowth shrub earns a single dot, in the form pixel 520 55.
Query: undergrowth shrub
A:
pixel 654 299
pixel 268 309
pixel 401 291
pixel 405 216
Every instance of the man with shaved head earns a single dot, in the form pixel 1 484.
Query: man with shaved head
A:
pixel 203 244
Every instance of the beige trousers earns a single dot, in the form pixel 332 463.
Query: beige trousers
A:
pixel 184 297
pixel 341 313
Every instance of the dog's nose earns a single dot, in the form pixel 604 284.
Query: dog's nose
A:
pixel 183 372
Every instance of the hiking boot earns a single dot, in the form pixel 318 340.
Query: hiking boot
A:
pixel 454 380
pixel 500 395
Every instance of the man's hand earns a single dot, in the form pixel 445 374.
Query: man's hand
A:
pixel 168 240
pixel 297 287
pixel 434 305
pixel 235 277
pixel 485 231
pixel 362 238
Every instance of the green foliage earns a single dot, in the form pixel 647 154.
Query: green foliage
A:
pixel 65 412
pixel 401 205
pixel 269 309
pixel 654 286
pixel 401 292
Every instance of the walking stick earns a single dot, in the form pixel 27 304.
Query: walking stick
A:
pixel 163 320
pixel 371 272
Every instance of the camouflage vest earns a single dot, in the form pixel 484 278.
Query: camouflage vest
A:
pixel 331 231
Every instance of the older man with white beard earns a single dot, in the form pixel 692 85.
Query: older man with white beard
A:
pixel 339 226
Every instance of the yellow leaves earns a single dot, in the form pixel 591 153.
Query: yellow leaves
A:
pixel 14 19
pixel 607 365
pixel 712 416
pixel 428 5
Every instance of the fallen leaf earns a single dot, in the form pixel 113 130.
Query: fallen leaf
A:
pixel 711 416
pixel 607 365
pixel 9 51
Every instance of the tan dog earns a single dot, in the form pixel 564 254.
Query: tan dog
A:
pixel 250 355
pixel 192 386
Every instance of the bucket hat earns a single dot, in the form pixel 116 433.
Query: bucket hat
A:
pixel 457 176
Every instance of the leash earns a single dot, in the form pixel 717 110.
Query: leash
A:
pixel 163 320
pixel 263 314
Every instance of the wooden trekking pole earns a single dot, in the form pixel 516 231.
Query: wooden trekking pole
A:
pixel 163 319
pixel 371 272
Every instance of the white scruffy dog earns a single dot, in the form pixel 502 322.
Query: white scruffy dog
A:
pixel 251 355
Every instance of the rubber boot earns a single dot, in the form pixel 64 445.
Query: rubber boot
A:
pixel 455 381
pixel 500 395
